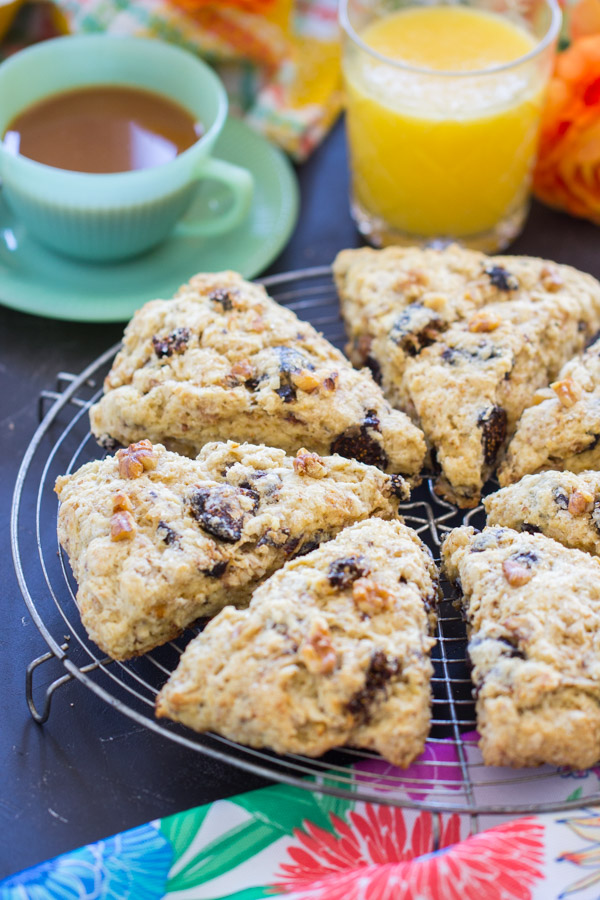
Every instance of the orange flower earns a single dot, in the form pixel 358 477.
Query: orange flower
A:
pixel 567 175
pixel 584 19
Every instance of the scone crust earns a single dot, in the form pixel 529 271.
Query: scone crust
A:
pixel 562 505
pixel 332 650
pixel 563 430
pixel 533 615
pixel 204 532
pixel 222 360
pixel 462 341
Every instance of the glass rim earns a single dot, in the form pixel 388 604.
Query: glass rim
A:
pixel 548 38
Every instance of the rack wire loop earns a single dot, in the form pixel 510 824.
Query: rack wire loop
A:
pixel 42 716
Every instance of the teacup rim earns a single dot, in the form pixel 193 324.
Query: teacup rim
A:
pixel 206 141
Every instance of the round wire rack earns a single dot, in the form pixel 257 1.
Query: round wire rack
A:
pixel 449 777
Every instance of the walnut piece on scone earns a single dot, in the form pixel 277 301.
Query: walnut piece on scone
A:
pixel 306 667
pixel 464 348
pixel 532 609
pixel 562 505
pixel 563 430
pixel 183 537
pixel 222 360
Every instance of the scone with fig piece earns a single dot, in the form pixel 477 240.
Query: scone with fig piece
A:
pixel 532 609
pixel 561 429
pixel 157 540
pixel 470 388
pixel 333 650
pixel 399 300
pixel 562 505
pixel 463 341
pixel 222 361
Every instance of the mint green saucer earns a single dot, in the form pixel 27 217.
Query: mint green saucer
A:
pixel 36 280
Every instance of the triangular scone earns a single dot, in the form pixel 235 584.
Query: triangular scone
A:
pixel 397 301
pixel 223 361
pixel 470 387
pixel 156 540
pixel 562 429
pixel 333 650
pixel 562 505
pixel 532 609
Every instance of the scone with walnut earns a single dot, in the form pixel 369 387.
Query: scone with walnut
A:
pixel 562 505
pixel 532 609
pixel 332 650
pixel 157 540
pixel 561 429
pixel 462 342
pixel 223 361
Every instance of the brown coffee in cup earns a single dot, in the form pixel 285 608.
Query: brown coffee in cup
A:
pixel 107 128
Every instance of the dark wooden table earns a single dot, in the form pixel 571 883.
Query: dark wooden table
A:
pixel 89 771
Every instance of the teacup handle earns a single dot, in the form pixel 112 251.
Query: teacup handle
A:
pixel 241 184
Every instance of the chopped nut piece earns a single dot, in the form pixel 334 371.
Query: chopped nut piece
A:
pixel 484 321
pixel 122 526
pixel 317 652
pixel 136 459
pixel 309 464
pixel 409 281
pixel 371 597
pixel 330 382
pixel 542 394
pixel 515 573
pixel 551 279
pixel 242 369
pixel 306 381
pixel 435 302
pixel 567 391
pixel 580 502
pixel 121 502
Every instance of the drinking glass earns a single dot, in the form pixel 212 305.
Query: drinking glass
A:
pixel 438 154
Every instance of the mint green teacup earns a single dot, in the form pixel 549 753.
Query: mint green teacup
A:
pixel 114 216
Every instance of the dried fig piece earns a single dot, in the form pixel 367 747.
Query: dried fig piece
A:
pixel 358 442
pixel 400 487
pixel 502 279
pixel 561 498
pixel 492 422
pixel 381 669
pixel 343 572
pixel 167 534
pixel 217 570
pixel 291 362
pixel 222 510
pixel 416 327
pixel 222 297
pixel 175 342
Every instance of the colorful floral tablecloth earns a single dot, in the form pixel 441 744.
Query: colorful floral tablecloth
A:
pixel 307 845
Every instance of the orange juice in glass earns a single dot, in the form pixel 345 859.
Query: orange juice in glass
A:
pixel 443 109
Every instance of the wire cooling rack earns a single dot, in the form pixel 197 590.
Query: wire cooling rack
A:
pixel 449 777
